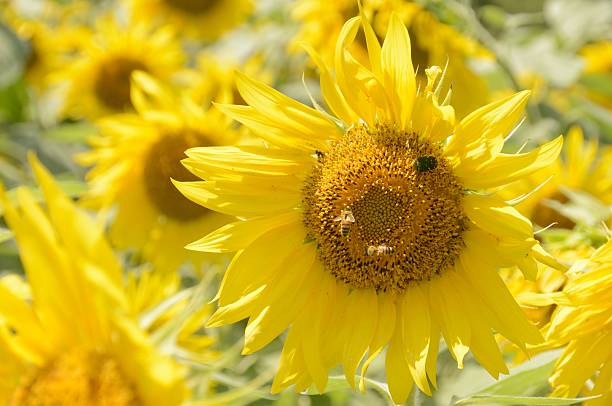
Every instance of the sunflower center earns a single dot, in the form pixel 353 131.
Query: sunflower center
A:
pixel 385 209
pixel 193 6
pixel 78 378
pixel 112 83
pixel 163 163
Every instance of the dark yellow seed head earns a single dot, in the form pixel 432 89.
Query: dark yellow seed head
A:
pixel 408 224
pixel 112 83
pixel 163 163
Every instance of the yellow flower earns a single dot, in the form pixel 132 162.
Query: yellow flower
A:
pixel 434 43
pixel 49 38
pixel 375 225
pixel 582 169
pixel 135 156
pixel 583 321
pixel 98 80
pixel 73 341
pixel 598 62
pixel 201 19
pixel 214 79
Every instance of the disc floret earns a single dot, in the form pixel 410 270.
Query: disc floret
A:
pixel 404 199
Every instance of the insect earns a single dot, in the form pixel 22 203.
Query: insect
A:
pixel 319 154
pixel 379 250
pixel 425 163
pixel 345 218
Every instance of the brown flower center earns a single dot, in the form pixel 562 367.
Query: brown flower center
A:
pixel 162 164
pixel 193 6
pixel 112 84
pixel 77 378
pixel 385 209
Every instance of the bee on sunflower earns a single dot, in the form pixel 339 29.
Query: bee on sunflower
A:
pixel 438 230
pixel 98 79
pixel 433 42
pixel 67 336
pixel 133 159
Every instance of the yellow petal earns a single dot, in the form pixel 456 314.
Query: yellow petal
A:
pixel 398 374
pixel 331 91
pixel 398 71
pixel 362 313
pixel 417 330
pixel 446 304
pixel 495 216
pixel 236 197
pixel 235 236
pixel 506 168
pixel 281 109
pixel 279 309
pixel 479 137
pixel 384 330
pixel 280 133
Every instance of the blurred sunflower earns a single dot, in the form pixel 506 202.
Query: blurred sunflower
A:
pixel 201 19
pixel 598 65
pixel 583 322
pixel 584 168
pixel 134 157
pixel 434 43
pixel 372 226
pixel 49 39
pixel 99 78
pixel 71 339
pixel 214 79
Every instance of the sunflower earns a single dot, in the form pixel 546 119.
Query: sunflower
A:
pixel 48 40
pixel 201 19
pixel 98 80
pixel 69 339
pixel 374 225
pixel 133 158
pixel 434 43
pixel 584 168
pixel 214 78
pixel 598 65
pixel 583 322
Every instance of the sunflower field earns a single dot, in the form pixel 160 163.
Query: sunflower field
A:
pixel 305 202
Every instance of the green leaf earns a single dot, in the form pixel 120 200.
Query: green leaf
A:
pixel 14 102
pixel 335 383
pixel 12 56
pixel 598 82
pixel 71 132
pixel 519 400
pixel 526 382
pixel 5 234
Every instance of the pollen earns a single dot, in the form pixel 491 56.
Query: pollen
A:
pixel 163 163
pixel 193 6
pixel 112 84
pixel 407 223
pixel 77 377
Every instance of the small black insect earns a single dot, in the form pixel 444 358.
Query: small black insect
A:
pixel 425 163
pixel 319 154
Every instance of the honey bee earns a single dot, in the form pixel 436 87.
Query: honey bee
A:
pixel 379 250
pixel 425 163
pixel 345 218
